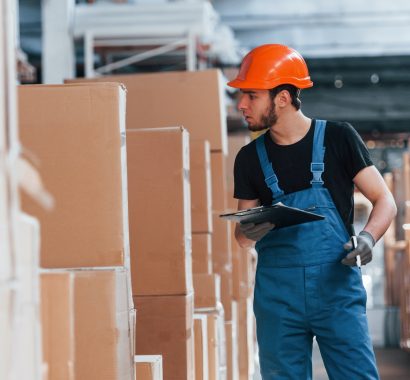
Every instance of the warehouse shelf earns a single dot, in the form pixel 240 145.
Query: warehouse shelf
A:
pixel 136 32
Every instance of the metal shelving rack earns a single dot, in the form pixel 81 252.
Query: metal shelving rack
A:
pixel 138 31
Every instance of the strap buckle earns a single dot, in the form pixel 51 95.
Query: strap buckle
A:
pixel 317 168
pixel 271 180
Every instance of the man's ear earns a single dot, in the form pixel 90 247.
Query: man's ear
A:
pixel 283 98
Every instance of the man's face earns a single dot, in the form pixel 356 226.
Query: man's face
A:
pixel 258 109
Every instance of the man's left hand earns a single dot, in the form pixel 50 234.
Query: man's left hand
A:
pixel 365 244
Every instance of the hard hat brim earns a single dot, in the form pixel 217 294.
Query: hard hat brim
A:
pixel 263 85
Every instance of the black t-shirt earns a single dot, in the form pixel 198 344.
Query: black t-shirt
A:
pixel 345 155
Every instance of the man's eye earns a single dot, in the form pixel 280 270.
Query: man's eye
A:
pixel 251 97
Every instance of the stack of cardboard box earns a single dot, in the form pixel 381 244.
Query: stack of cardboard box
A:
pixel 74 134
pixel 194 100
pixel 161 228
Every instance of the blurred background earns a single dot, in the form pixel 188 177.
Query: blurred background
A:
pixel 358 54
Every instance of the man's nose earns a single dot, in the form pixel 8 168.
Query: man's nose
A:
pixel 241 104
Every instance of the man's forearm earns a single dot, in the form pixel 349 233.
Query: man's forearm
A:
pixel 383 212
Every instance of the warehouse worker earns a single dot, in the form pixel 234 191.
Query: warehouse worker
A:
pixel 307 282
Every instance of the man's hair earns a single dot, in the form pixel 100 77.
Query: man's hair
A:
pixel 294 93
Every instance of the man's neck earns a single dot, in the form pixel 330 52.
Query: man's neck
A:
pixel 290 128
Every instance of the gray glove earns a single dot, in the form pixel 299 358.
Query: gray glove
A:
pixel 365 244
pixel 254 231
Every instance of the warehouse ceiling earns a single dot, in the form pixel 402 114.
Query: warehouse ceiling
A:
pixel 373 94
pixel 359 57
pixel 322 28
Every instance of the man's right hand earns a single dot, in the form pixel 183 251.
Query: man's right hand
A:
pixel 255 232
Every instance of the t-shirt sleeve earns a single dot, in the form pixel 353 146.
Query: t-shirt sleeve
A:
pixel 243 188
pixel 355 152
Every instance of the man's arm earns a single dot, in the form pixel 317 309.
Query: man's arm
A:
pixel 242 240
pixel 372 186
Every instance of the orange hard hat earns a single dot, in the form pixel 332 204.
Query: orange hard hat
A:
pixel 271 65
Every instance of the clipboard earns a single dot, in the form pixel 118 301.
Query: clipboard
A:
pixel 278 214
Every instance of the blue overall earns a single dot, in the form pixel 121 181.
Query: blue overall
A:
pixel 302 290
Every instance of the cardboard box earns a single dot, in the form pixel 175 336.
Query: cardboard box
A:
pixel 246 339
pixel 148 367
pixel 192 99
pixel 221 245
pixel 201 346
pixel 159 211
pixel 57 320
pixel 229 349
pixel 74 133
pixel 102 326
pixel 226 294
pixel 232 349
pixel 219 189
pixel 216 345
pixel 165 327
pixel 201 188
pixel 207 291
pixel 213 343
pixel 202 253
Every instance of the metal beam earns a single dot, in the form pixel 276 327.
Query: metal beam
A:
pixel 145 55
pixel 58 45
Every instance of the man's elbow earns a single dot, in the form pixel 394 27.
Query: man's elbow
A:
pixel 393 206
pixel 389 207
pixel 394 209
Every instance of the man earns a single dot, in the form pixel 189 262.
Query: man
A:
pixel 307 281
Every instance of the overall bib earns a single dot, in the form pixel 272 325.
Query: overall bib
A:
pixel 302 290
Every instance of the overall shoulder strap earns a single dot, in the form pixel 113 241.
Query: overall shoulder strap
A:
pixel 317 166
pixel 270 177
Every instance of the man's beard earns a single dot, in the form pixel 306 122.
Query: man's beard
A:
pixel 267 120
